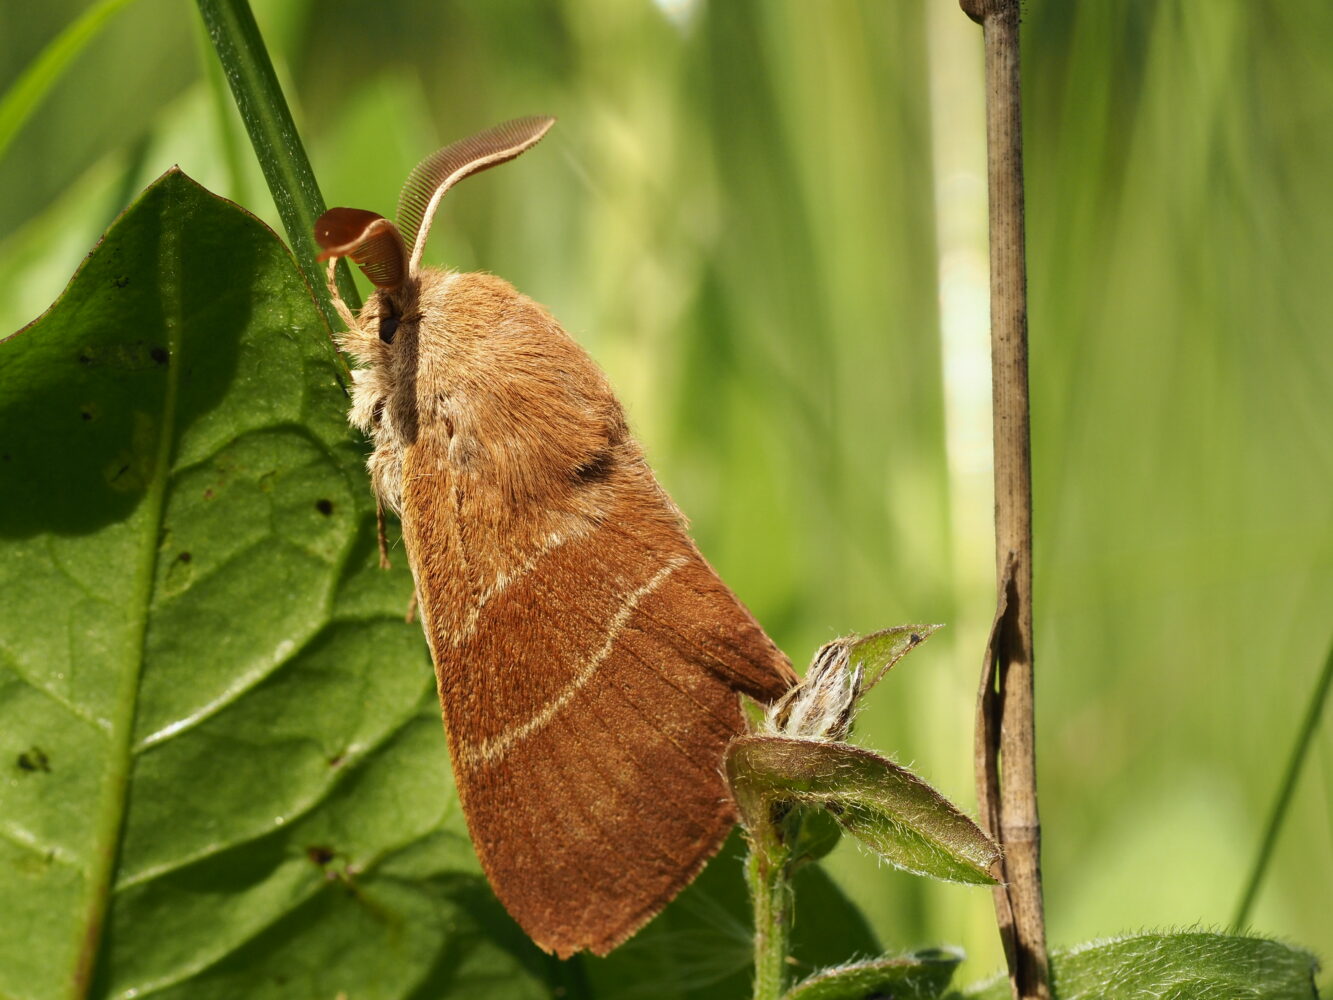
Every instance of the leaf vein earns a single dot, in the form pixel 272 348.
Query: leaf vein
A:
pixel 355 759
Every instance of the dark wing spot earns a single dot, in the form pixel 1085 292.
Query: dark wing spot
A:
pixel 595 469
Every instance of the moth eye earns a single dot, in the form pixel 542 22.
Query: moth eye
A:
pixel 388 327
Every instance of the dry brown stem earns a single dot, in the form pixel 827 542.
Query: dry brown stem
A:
pixel 1005 755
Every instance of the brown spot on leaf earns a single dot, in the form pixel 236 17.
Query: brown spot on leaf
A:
pixel 34 759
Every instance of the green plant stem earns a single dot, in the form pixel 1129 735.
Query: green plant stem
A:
pixel 26 93
pixel 767 873
pixel 268 120
pixel 1299 752
pixel 229 137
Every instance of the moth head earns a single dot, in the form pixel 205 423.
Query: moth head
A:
pixel 377 247
pixel 389 255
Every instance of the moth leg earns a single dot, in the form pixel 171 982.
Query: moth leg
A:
pixel 383 538
pixel 344 313
pixel 411 614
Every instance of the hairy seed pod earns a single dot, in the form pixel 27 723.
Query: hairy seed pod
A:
pixel 588 658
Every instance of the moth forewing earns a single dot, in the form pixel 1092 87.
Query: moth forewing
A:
pixel 588 659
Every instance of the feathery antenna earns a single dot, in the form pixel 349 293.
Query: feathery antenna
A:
pixel 440 171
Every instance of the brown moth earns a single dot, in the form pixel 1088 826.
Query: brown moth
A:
pixel 588 659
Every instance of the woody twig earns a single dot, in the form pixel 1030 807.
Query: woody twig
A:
pixel 1005 744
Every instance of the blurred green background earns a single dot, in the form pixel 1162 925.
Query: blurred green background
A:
pixel 766 218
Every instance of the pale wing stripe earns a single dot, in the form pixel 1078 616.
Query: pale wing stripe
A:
pixel 552 542
pixel 493 749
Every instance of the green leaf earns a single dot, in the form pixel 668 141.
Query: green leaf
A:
pixel 813 834
pixel 224 772
pixel 877 652
pixel 919 976
pixel 885 806
pixel 1192 965
pixel 823 705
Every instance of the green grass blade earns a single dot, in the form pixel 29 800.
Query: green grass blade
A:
pixel 1299 752
pixel 229 136
pixel 23 98
pixel 231 26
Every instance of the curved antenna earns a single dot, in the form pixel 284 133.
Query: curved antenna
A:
pixel 369 239
pixel 440 171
